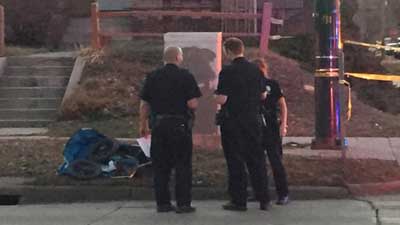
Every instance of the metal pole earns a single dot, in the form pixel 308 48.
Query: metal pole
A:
pixel 328 132
pixel 2 32
pixel 384 10
pixel 342 73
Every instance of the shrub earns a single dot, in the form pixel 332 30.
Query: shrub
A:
pixel 40 22
pixel 301 48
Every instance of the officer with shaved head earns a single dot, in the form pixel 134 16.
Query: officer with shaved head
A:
pixel 171 93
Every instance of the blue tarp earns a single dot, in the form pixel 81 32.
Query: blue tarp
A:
pixel 77 147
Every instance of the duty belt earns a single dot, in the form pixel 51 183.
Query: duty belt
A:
pixel 170 116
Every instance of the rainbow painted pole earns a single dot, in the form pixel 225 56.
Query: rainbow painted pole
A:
pixel 328 132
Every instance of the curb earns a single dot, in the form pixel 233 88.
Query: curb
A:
pixel 372 189
pixel 70 194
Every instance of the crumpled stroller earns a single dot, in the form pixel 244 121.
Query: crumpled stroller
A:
pixel 89 154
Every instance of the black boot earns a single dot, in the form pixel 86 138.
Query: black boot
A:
pixel 234 207
pixel 283 200
pixel 185 209
pixel 265 206
pixel 165 208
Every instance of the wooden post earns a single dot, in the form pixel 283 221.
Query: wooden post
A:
pixel 266 28
pixel 255 11
pixel 2 30
pixel 95 26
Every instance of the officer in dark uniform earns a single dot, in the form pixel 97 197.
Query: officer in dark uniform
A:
pixel 239 92
pixel 171 93
pixel 275 128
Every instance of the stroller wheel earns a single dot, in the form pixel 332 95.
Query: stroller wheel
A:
pixel 102 151
pixel 84 169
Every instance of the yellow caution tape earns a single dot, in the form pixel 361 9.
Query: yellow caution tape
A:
pixel 377 46
pixel 349 102
pixel 327 74
pixel 370 76
pixel 367 76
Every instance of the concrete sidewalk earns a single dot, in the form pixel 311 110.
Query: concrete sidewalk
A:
pixel 358 148
pixel 387 208
pixel 327 212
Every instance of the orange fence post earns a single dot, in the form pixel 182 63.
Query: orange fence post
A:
pixel 95 25
pixel 99 38
pixel 2 30
pixel 266 28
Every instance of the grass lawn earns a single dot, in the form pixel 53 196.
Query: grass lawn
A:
pixel 40 159
pixel 23 51
pixel 124 127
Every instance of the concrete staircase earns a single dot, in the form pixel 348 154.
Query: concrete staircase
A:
pixel 31 90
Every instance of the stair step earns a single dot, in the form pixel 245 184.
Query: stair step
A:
pixel 34 81
pixel 40 61
pixel 30 114
pixel 29 103
pixel 32 92
pixel 38 71
pixel 25 123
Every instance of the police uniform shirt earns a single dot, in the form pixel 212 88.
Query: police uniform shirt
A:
pixel 168 89
pixel 274 93
pixel 242 83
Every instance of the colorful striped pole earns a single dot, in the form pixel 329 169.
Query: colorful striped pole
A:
pixel 328 132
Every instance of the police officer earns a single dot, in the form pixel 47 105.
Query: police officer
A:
pixel 171 93
pixel 274 130
pixel 239 92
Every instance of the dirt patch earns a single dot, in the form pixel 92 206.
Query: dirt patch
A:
pixel 121 127
pixel 370 171
pixel 107 94
pixel 112 80
pixel 30 158
pixel 110 90
pixel 314 171
pixel 41 158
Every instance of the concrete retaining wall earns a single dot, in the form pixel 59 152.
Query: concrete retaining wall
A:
pixel 3 64
pixel 76 75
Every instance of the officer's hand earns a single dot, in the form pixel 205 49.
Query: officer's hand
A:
pixel 283 130
pixel 144 130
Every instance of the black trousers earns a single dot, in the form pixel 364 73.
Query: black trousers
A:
pixel 273 144
pixel 171 148
pixel 241 141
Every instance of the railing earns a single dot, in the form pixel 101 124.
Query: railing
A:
pixel 98 36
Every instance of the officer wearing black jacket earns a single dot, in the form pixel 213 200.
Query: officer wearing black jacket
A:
pixel 171 93
pixel 274 130
pixel 239 92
